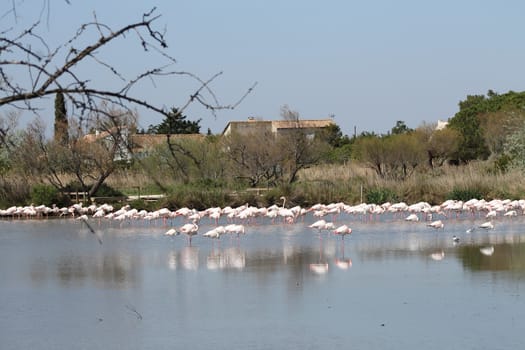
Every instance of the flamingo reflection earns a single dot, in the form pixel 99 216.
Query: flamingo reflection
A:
pixel 438 256
pixel 172 260
pixel 488 251
pixel 189 258
pixel 232 257
pixel 319 268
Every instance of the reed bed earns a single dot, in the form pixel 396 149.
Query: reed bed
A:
pixel 351 183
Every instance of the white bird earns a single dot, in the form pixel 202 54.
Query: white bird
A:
pixel 83 217
pixel 436 224
pixel 487 225
pixel 491 214
pixel 171 232
pixel 412 218
pixel 319 225
pixel 189 230
pixel 511 213
pixel 215 233
pixel 455 239
pixel 343 230
pixel 234 228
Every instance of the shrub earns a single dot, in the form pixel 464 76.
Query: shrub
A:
pixel 141 204
pixel 108 191
pixel 13 192
pixel 380 195
pixel 465 194
pixel 48 195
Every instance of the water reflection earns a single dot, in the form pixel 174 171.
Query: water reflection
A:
pixel 189 258
pixel 488 251
pixel 142 289
pixel 106 270
pixel 438 256
pixel 172 260
pixel 499 257
pixel 127 252
pixel 233 257
pixel 320 267
pixel 342 262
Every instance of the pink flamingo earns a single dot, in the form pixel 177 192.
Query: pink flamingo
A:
pixel 189 230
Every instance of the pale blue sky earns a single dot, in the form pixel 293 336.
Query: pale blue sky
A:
pixel 370 63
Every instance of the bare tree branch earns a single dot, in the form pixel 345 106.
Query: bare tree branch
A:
pixel 20 51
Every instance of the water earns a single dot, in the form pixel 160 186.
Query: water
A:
pixel 392 285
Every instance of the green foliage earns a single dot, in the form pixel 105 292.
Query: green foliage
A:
pixel 13 192
pixel 340 155
pixel 380 195
pixel 400 128
pixel 515 149
pixel 468 121
pixel 4 164
pixel 141 204
pixel 108 191
pixel 333 135
pixel 175 123
pixel 465 194
pixel 48 195
pixel 194 198
pixel 502 164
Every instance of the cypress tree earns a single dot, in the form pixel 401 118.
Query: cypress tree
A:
pixel 61 123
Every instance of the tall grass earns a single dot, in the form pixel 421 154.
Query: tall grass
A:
pixel 349 183
pixel 431 186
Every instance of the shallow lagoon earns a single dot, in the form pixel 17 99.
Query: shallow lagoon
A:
pixel 392 285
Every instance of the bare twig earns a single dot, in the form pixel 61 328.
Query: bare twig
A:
pixel 134 311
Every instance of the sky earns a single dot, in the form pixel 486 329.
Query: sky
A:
pixel 367 63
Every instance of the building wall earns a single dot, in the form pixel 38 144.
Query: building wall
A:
pixel 244 128
pixel 275 127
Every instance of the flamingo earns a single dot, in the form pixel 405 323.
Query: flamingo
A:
pixel 171 232
pixel 343 230
pixel 215 233
pixel 438 224
pixel 319 225
pixel 487 225
pixel 322 225
pixel 235 228
pixel 189 230
pixel 511 213
pixel 412 218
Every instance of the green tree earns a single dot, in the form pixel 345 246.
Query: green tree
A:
pixel 467 123
pixel 497 126
pixel 479 119
pixel 334 136
pixel 514 147
pixel 175 123
pixel 400 128
pixel 61 123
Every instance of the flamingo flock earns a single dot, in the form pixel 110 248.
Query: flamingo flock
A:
pixel 235 220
